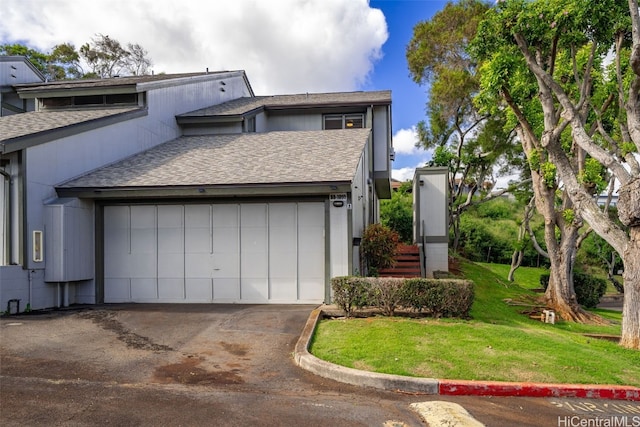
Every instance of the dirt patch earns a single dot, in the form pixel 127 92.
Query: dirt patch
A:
pixel 612 338
pixel 188 372
pixel 108 321
pixel 235 349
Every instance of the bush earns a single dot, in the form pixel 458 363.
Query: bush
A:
pixel 438 297
pixel 441 298
pixel 349 292
pixel 379 246
pixel 589 289
pixel 397 212
pixel 386 294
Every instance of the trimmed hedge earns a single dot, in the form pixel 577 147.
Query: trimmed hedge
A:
pixel 437 297
pixel 589 289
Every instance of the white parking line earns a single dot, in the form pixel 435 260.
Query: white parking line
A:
pixel 445 414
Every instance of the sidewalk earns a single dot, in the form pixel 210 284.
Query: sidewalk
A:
pixel 307 361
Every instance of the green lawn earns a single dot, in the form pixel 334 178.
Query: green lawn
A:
pixel 498 343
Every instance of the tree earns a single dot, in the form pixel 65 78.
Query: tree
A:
pixel 590 113
pixel 64 63
pixel 37 58
pixel 469 143
pixel 397 213
pixel 103 55
pixel 106 56
pixel 138 63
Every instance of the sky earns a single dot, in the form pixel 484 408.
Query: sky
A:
pixel 284 46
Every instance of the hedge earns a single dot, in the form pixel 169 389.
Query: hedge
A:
pixel 436 297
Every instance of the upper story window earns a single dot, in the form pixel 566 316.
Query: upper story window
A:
pixel 250 124
pixel 90 101
pixel 343 121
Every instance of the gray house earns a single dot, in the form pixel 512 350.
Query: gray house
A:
pixel 186 188
pixel 16 70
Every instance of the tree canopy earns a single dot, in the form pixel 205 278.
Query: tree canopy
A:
pixel 475 146
pixel 102 57
pixel 564 69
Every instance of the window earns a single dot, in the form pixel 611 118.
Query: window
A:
pixel 250 124
pixel 344 121
pixel 90 100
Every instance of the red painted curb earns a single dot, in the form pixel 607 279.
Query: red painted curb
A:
pixel 488 388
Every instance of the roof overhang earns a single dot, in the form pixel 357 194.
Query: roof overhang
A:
pixel 207 191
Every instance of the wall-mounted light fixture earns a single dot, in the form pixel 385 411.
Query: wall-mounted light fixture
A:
pixel 338 203
pixel 37 246
pixel 421 183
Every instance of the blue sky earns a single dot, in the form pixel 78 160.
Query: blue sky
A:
pixel 409 99
pixel 285 46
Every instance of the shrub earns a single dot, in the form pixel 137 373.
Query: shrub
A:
pixel 386 294
pixel 349 292
pixel 441 298
pixel 397 212
pixel 379 246
pixel 589 289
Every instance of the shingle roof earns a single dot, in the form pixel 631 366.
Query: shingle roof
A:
pixel 237 159
pixel 114 81
pixel 244 105
pixel 35 122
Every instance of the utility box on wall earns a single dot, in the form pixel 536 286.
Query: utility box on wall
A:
pixel 431 217
pixel 69 247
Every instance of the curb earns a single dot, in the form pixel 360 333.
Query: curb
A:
pixel 325 369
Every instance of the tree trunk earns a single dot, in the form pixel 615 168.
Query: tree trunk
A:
pixel 631 307
pixel 455 224
pixel 560 294
pixel 518 254
pixel 516 261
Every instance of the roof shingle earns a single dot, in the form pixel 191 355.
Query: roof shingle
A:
pixel 244 105
pixel 25 124
pixel 237 159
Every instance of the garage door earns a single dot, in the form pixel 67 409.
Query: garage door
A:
pixel 249 253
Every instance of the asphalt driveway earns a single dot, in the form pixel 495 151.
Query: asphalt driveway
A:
pixel 206 365
pixel 174 364
pixel 153 343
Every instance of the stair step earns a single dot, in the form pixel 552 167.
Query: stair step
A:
pixel 399 270
pixel 408 257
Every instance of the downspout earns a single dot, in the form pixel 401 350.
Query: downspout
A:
pixel 9 213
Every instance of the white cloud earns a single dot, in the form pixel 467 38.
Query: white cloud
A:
pixel 403 174
pixel 404 141
pixel 404 144
pixel 285 46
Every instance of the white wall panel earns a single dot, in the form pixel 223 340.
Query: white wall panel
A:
pixel 311 251
pixel 283 251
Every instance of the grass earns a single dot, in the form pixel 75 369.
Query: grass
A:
pixel 498 343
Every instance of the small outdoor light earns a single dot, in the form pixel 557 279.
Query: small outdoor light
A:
pixel 338 203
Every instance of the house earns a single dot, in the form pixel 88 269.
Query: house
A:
pixel 186 188
pixel 16 70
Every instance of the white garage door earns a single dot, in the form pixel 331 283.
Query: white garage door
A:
pixel 250 253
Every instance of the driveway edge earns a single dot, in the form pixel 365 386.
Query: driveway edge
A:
pixel 319 367
pixel 307 361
